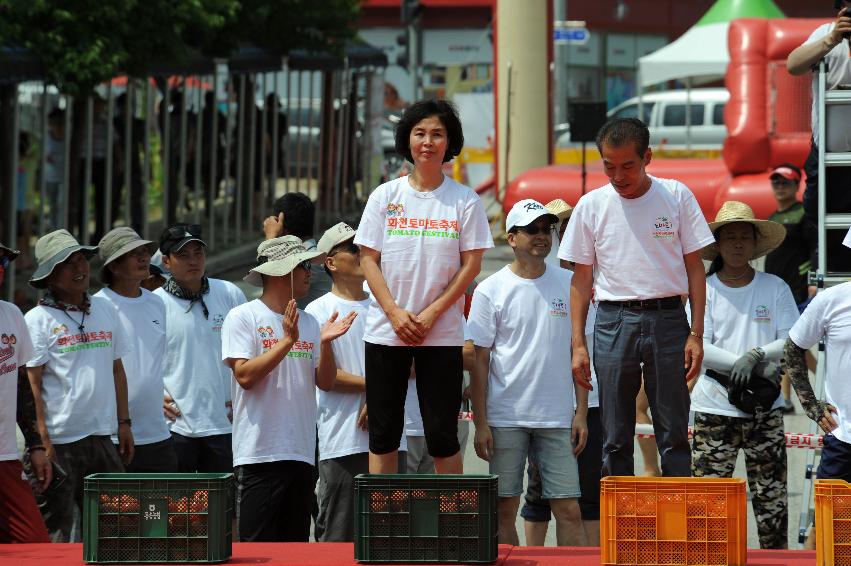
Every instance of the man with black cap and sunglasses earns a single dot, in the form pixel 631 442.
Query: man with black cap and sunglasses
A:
pixel 197 384
pixel 23 522
pixel 77 377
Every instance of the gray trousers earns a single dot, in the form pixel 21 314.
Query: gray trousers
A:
pixel 627 343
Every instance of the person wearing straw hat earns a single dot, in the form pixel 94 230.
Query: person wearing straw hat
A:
pixel 748 317
pixel 523 395
pixel 197 384
pixel 278 356
pixel 23 522
pixel 126 259
pixel 636 243
pixel 76 374
pixel 828 318
pixel 562 211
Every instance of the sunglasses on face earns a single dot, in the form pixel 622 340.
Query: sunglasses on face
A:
pixel 349 247
pixel 535 229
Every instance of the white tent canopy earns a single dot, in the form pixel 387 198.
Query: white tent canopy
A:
pixel 700 55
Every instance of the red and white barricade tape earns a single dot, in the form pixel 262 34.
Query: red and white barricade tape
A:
pixel 793 439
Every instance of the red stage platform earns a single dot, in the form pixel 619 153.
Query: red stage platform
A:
pixel 335 554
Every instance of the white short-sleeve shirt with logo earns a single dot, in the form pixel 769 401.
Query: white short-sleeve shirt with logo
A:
pixel 15 351
pixel 78 383
pixel 829 316
pixel 275 420
pixel 737 320
pixel 838 73
pixel 143 321
pixel 526 324
pixel 420 236
pixel 193 372
pixel 636 245
pixel 337 412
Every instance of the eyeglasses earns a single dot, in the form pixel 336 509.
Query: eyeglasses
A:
pixel 349 247
pixel 179 231
pixel 535 229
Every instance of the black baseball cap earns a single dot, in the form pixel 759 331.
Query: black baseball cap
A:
pixel 176 236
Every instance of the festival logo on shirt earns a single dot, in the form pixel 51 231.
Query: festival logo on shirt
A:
pixel 83 340
pixel 218 321
pixel 7 352
pixel 267 337
pixel 762 314
pixel 395 209
pixel 558 308
pixel 301 349
pixel 663 229
pixel 59 329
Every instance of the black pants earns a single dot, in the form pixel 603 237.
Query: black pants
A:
pixel 439 371
pixel 157 457
pixel 838 195
pixel 273 501
pixel 203 454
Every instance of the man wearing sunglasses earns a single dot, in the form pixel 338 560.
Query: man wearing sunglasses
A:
pixel 197 384
pixel 22 521
pixel 523 394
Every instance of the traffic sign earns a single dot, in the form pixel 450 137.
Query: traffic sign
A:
pixel 574 36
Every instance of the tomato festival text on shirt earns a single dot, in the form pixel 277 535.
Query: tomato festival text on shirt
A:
pixel 425 227
pixel 84 341
pixel 301 349
pixel 7 352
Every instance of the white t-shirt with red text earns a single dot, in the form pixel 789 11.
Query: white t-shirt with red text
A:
pixel 420 236
pixel 275 420
pixel 636 245
pixel 15 351
pixel 78 383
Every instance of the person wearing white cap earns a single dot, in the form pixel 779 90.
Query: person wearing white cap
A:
pixel 422 239
pixel 636 244
pixel 76 374
pixel 126 259
pixel 22 522
pixel 522 390
pixel 341 411
pixel 198 398
pixel 828 318
pixel 278 355
pixel 737 404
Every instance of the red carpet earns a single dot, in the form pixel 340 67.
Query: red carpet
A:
pixel 335 554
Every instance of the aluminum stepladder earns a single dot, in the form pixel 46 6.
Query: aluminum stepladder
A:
pixel 822 278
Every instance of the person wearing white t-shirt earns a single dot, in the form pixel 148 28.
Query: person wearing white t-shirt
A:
pixel 523 393
pixel 422 239
pixel 77 377
pixel 827 43
pixel 22 520
pixel 342 411
pixel 748 316
pixel 197 385
pixel 278 356
pixel 636 243
pixel 127 259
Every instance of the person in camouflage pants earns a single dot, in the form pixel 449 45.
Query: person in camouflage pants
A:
pixel 748 316
pixel 715 446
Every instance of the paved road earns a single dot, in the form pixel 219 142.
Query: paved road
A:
pixel 494 260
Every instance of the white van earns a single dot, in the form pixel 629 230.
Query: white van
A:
pixel 665 114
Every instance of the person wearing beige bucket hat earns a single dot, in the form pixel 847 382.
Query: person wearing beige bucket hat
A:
pixel 748 317
pixel 142 317
pixel 562 212
pixel 278 355
pixel 24 523
pixel 77 376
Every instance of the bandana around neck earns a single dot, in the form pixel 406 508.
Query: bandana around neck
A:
pixel 51 301
pixel 173 287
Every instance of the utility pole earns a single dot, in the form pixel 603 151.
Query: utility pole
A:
pixel 411 10
pixel 560 63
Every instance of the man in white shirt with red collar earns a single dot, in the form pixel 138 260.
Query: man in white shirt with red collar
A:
pixel 638 241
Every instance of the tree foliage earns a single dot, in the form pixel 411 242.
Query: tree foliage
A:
pixel 85 42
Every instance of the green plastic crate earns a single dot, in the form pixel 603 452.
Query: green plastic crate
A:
pixel 157 518
pixel 422 518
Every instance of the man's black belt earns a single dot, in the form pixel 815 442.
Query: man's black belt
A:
pixel 649 304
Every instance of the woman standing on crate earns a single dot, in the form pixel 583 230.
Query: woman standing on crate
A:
pixel 737 403
pixel 422 238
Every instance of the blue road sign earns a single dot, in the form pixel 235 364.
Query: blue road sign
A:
pixel 571 35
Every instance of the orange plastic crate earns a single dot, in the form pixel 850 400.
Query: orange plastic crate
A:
pixel 686 521
pixel 833 522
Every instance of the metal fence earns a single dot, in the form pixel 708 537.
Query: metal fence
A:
pixel 212 145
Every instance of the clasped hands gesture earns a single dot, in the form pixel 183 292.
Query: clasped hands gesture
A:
pixel 412 328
